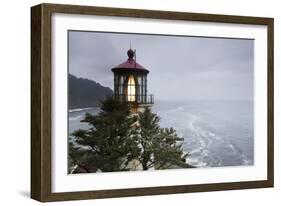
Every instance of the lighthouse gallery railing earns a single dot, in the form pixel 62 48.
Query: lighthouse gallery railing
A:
pixel 139 99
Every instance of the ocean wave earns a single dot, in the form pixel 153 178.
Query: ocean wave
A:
pixel 211 132
pixel 180 108
pixel 79 109
pixel 205 146
pixel 244 159
pixel 75 118
pixel 196 161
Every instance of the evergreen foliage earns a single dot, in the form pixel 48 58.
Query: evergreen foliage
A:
pixel 116 137
pixel 110 143
pixel 161 147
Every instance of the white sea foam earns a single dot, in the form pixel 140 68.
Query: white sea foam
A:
pixel 243 157
pixel 197 162
pixel 180 108
pixel 78 117
pixel 79 109
pixel 215 133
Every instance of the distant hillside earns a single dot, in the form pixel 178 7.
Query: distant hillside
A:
pixel 85 93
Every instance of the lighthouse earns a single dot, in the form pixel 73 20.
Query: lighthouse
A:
pixel 130 84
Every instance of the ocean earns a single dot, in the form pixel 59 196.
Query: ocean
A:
pixel 216 133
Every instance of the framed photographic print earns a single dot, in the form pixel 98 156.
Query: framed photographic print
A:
pixel 130 102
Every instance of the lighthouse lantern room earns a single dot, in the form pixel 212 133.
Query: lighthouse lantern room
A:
pixel 130 84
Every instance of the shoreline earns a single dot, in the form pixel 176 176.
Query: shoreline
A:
pixel 81 109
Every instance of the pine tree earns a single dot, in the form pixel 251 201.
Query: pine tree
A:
pixel 161 147
pixel 111 141
pixel 116 138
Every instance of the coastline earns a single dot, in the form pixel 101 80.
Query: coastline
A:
pixel 81 109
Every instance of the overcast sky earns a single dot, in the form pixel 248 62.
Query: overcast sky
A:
pixel 180 68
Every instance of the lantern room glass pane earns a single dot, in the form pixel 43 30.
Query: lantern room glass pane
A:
pixel 131 94
pixel 140 80
pixel 143 94
pixel 120 89
pixel 139 93
pixel 121 80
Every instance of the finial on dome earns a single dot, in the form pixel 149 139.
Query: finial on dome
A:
pixel 131 53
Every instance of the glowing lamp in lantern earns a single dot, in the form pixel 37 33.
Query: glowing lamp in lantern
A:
pixel 130 83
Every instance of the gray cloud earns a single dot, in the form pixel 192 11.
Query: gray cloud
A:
pixel 180 67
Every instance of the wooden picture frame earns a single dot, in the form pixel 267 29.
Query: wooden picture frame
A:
pixel 41 95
